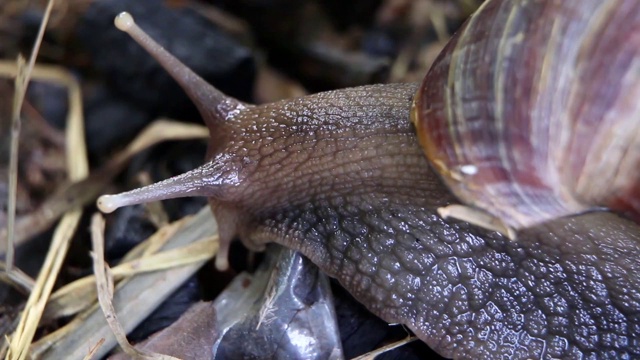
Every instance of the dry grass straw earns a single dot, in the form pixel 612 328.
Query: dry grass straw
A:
pixel 104 283
pixel 84 190
pixel 372 354
pixel 92 352
pixel 81 294
pixel 158 131
pixel 185 245
pixel 78 169
pixel 21 84
pixel 16 124
pixel 21 339
pixel 16 278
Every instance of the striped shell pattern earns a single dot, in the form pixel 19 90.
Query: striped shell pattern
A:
pixel 533 110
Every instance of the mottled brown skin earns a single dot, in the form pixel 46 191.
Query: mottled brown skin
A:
pixel 340 176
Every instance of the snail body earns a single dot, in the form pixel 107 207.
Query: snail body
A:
pixel 341 177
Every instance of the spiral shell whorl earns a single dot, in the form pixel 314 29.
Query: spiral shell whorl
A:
pixel 531 111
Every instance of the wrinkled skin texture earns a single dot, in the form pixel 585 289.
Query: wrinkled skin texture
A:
pixel 340 177
pixel 358 198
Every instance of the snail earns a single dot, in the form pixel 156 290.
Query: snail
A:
pixel 342 177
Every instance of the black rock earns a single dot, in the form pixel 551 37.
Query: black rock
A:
pixel 200 44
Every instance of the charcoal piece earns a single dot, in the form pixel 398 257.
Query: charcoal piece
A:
pixel 326 66
pixel 6 105
pixel 301 47
pixel 111 121
pixel 51 100
pixel 127 228
pixel 169 311
pixel 380 42
pixel 191 38
pixel 351 13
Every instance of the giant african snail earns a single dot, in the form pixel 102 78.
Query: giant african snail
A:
pixel 341 177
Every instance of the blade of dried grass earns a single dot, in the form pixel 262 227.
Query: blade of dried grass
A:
pixel 75 136
pixel 13 162
pixel 71 298
pixel 21 85
pixel 93 350
pixel 104 284
pixel 22 337
pixel 81 293
pixel 77 168
pixel 201 250
pixel 372 354
pixel 134 298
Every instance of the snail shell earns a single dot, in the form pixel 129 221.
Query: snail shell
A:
pixel 536 114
